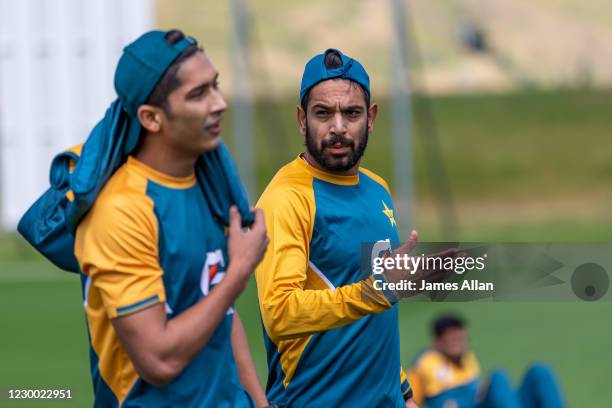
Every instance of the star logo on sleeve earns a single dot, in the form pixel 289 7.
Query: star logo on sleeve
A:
pixel 389 213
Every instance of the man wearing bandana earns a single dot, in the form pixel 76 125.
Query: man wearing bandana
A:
pixel 159 273
pixel 332 339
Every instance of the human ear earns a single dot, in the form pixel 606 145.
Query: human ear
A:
pixel 372 112
pixel 301 120
pixel 150 118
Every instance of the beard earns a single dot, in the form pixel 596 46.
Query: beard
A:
pixel 336 164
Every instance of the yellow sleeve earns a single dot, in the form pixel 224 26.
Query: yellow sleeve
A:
pixel 116 246
pixel 288 307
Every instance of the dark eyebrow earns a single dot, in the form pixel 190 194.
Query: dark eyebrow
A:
pixel 332 107
pixel 203 86
pixel 322 106
pixel 353 107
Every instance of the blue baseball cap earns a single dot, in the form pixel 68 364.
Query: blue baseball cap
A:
pixel 315 71
pixel 140 68
pixel 142 65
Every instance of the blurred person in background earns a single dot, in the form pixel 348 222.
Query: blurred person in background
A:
pixel 448 376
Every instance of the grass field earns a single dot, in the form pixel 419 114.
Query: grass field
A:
pixel 523 168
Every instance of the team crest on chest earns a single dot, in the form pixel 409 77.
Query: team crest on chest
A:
pixel 389 213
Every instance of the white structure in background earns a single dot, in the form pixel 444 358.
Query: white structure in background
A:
pixel 57 61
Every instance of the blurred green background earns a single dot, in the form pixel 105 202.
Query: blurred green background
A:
pixel 524 162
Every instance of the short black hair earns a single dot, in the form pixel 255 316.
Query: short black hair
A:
pixel 169 81
pixel 444 322
pixel 333 60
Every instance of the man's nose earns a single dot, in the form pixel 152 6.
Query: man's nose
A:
pixel 218 105
pixel 338 124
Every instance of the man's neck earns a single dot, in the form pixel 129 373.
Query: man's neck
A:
pixel 165 160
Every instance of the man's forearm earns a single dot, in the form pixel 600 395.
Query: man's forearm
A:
pixel 244 362
pixel 297 313
pixel 190 331
pixel 161 348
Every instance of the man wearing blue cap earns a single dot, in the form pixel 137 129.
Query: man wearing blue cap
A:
pixel 332 338
pixel 159 274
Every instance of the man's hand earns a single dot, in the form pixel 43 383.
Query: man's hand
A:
pixel 409 245
pixel 411 404
pixel 422 274
pixel 246 248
